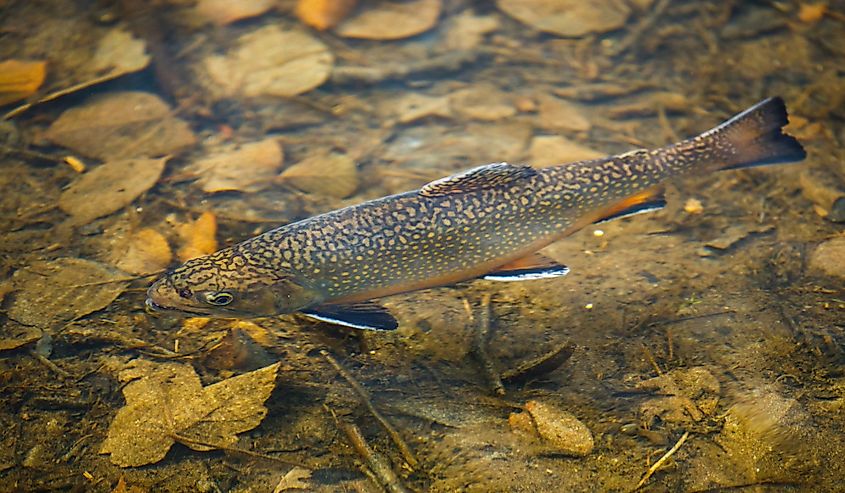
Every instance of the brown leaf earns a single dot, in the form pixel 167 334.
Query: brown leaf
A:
pixel 392 20
pixel 147 252
pixel 49 293
pixel 20 79
pixel 332 174
pixel 248 167
pixel 571 18
pixel 270 62
pixel 166 402
pixel 109 187
pixel 121 125
pixel 119 53
pixel 323 14
pixel 200 237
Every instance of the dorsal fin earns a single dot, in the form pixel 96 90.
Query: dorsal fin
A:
pixel 480 178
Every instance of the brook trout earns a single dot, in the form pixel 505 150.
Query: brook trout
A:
pixel 487 222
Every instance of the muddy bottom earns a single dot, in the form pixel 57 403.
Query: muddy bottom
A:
pixel 698 348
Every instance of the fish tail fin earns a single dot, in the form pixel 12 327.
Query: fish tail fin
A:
pixel 752 138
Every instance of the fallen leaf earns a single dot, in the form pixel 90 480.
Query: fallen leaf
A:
pixel 411 107
pixel 553 150
pixel 295 479
pixel 332 174
pixel 247 167
pixel 236 350
pixel 166 403
pixel 391 20
pixel 199 237
pixel 120 125
pixel 570 18
pixel 49 293
pixel 811 13
pixel 109 187
pixel 222 12
pixel 20 79
pixel 121 487
pixel 558 114
pixel 270 62
pixel 323 14
pixel 466 30
pixel 147 252
pixel 482 102
pixel 119 53
pixel 15 336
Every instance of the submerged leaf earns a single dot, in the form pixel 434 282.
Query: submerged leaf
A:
pixel 146 253
pixel 392 20
pixel 270 62
pixel 222 12
pixel 109 187
pixel 571 18
pixel 120 53
pixel 332 174
pixel 58 291
pixel 166 403
pixel 247 168
pixel 200 237
pixel 323 14
pixel 121 125
pixel 20 79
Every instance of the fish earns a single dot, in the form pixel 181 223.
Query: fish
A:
pixel 488 222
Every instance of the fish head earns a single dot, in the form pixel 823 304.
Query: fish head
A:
pixel 225 284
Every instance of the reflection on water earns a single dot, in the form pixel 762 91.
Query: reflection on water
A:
pixel 694 349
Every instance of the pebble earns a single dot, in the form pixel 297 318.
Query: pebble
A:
pixel 828 259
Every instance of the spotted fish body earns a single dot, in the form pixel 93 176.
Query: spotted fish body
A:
pixel 457 228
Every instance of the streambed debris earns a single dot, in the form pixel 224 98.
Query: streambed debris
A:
pixel 166 403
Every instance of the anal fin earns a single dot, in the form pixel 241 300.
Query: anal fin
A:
pixel 534 266
pixel 363 316
pixel 645 201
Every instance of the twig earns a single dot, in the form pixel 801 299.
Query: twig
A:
pixel 188 440
pixel 407 454
pixel 654 467
pixel 50 365
pixel 379 466
pixel 479 346
pixel 126 342
pixel 651 360
pixel 637 31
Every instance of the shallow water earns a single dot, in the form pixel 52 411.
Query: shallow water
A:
pixel 710 332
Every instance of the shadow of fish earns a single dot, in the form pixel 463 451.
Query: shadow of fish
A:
pixel 487 222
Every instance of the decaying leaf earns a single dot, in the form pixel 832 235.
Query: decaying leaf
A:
pixel 147 252
pixel 571 18
pixel 119 53
pixel 199 237
pixel 14 336
pixel 270 62
pixel 236 350
pixel 248 167
pixel 19 79
pixel 121 487
pixel 166 403
pixel 552 150
pixel 109 187
pixel 332 174
pixel 391 19
pixel 120 125
pixel 295 479
pixel 222 12
pixel 482 102
pixel 323 14
pixel 559 114
pixel 48 293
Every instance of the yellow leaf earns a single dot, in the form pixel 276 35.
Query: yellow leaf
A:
pixel 200 237
pixel 20 79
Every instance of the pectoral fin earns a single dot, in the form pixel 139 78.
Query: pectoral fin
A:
pixel 363 316
pixel 534 266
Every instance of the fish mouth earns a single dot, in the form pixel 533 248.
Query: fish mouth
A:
pixel 156 307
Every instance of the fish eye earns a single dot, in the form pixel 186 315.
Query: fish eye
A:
pixel 219 298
